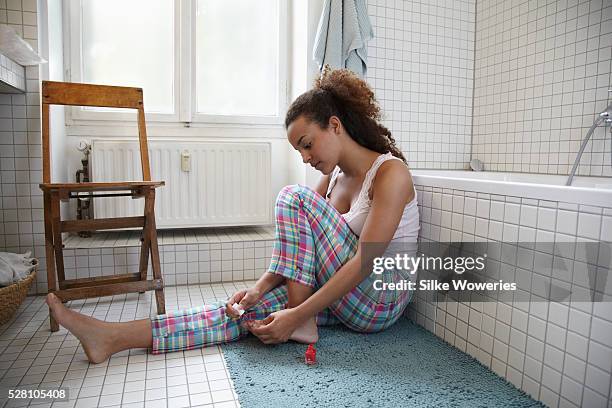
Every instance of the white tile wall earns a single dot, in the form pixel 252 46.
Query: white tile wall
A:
pixel 559 353
pixel 21 227
pixel 183 261
pixel 187 256
pixel 12 73
pixel 420 64
pixel 542 71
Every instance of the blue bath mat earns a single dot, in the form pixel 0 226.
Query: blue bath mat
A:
pixel 403 366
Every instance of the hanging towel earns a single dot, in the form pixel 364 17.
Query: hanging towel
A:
pixel 343 32
pixel 14 267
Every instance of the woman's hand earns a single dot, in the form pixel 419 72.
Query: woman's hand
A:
pixel 277 327
pixel 246 298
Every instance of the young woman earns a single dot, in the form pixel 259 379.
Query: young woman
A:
pixel 316 275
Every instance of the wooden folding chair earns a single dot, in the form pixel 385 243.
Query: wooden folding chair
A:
pixel 64 93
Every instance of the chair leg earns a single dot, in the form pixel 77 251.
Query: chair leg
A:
pixel 58 245
pixel 146 239
pixel 155 262
pixel 51 278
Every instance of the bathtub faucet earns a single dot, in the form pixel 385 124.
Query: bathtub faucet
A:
pixel 606 118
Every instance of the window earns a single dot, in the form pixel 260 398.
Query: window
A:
pixel 135 51
pixel 198 61
pixel 236 58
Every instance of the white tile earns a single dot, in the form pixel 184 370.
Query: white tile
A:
pixel 87 402
pixel 551 379
pixel 495 230
pixel 592 399
pixel 178 390
pixel 134 386
pixel 497 210
pixel 512 213
pixel 574 367
pixel 589 225
pixel 535 348
pixel 598 379
pixel 458 203
pixel 546 218
pixel 606 229
pixel 155 393
pixel 156 383
pixel 530 386
pixel 533 368
pixel 223 395
pixel 567 221
pixel 514 376
pixel 201 399
pixel 470 206
pixel 601 330
pixel 553 357
pixel 134 396
pixel 547 396
pixel 600 355
pixel 482 208
pixel 510 233
pixel 112 388
pixel 110 400
pixel 160 403
pixel 178 402
pixel 516 356
pixel 482 227
pixel 555 335
pixel 571 390
pixel 529 215
pixel 537 328
pixel 90 391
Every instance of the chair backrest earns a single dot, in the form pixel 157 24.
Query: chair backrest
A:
pixel 67 93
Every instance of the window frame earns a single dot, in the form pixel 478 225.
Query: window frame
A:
pixel 184 79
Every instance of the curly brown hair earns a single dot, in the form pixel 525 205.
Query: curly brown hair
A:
pixel 343 94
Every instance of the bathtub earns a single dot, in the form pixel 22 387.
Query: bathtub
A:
pixel 595 191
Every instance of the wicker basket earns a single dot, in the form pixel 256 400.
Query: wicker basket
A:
pixel 13 295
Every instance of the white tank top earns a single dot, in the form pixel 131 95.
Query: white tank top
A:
pixel 408 228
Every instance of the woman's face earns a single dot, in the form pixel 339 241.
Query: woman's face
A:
pixel 318 147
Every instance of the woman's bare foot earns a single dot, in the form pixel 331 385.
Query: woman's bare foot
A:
pixel 92 333
pixel 307 333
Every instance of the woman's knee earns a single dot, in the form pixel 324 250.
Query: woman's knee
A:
pixel 293 193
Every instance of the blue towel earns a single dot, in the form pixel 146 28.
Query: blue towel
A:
pixel 343 32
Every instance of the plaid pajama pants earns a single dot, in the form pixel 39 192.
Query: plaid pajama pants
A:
pixel 312 242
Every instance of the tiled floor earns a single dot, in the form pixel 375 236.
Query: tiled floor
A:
pixel 32 357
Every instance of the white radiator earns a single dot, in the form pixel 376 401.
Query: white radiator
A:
pixel 228 183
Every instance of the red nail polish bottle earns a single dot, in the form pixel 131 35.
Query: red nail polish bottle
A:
pixel 311 355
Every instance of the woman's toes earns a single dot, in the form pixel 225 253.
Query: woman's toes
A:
pixel 52 300
pixel 55 305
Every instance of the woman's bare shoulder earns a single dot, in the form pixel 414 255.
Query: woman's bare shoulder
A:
pixel 395 173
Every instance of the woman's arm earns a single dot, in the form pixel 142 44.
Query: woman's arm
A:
pixel 267 282
pixel 249 297
pixel 392 189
